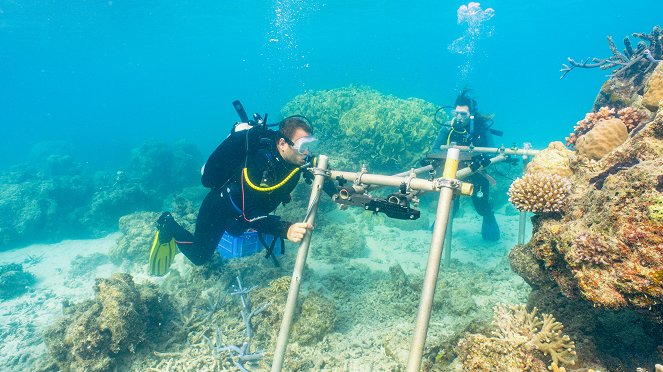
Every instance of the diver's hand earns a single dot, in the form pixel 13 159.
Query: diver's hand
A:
pixel 297 230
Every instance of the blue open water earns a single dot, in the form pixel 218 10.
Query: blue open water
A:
pixel 107 75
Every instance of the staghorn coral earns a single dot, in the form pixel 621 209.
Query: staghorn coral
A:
pixel 539 193
pixel 631 61
pixel 518 335
pixel 602 139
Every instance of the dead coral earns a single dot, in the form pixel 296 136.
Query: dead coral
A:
pixel 646 54
pixel 100 333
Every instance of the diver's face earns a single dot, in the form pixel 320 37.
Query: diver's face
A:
pixel 288 153
pixel 462 114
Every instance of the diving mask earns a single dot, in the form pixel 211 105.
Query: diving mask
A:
pixel 304 145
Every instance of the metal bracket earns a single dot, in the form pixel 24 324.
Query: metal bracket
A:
pixel 445 182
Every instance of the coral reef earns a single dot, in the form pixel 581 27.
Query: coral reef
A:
pixel 608 246
pixel 97 335
pixel 654 90
pixel 630 116
pixel 137 234
pixel 518 337
pixel 316 319
pixel 334 243
pixel 362 125
pixel 540 193
pixel 56 197
pixel 604 137
pixel 14 281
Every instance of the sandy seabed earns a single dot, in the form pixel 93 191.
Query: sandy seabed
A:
pixel 25 318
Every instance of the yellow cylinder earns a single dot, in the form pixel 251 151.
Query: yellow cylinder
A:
pixel 451 164
pixel 466 188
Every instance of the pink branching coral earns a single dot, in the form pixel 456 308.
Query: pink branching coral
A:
pixel 630 116
pixel 539 193
pixel 586 124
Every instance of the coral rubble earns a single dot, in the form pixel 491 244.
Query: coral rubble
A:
pixel 97 335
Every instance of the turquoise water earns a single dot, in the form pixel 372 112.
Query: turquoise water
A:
pixel 106 75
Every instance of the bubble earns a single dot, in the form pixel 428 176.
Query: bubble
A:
pixel 474 19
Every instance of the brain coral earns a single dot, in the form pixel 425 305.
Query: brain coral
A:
pixel 539 193
pixel 366 126
pixel 603 138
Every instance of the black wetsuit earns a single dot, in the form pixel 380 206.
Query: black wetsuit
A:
pixel 232 205
pixel 479 138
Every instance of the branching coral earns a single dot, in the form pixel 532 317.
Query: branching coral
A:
pixel 586 124
pixel 518 334
pixel 589 249
pixel 646 54
pixel 539 193
pixel 630 116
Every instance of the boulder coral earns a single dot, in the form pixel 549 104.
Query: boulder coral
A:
pixel 604 137
pixel 654 89
pixel 362 125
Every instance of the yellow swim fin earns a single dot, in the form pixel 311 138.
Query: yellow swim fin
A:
pixel 161 256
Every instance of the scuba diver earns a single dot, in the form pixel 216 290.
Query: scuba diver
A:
pixel 469 127
pixel 250 173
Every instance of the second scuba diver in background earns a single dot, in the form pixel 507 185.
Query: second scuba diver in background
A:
pixel 469 127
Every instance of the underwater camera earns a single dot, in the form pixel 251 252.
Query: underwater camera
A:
pixel 393 206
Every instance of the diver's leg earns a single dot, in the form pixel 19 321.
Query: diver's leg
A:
pixel 210 225
pixel 490 230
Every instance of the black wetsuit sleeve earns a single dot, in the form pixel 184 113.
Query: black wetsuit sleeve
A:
pixel 227 159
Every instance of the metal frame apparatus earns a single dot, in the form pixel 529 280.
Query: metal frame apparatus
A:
pixel 401 205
